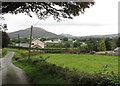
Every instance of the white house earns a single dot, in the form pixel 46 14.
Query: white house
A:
pixel 53 41
pixel 36 43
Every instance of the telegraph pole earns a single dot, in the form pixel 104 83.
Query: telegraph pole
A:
pixel 19 41
pixel 30 43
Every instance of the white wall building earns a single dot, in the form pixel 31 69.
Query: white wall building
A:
pixel 37 44
pixel 53 41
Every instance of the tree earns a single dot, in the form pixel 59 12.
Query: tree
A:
pixel 102 46
pixel 118 42
pixel 84 48
pixel 76 44
pixel 5 39
pixel 108 44
pixel 92 44
pixel 67 45
pixel 65 39
pixel 43 39
pixel 45 9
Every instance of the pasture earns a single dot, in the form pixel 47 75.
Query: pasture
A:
pixel 84 62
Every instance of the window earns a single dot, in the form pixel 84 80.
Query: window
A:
pixel 32 43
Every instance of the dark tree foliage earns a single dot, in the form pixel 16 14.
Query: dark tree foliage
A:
pixel 76 44
pixel 92 44
pixel 45 9
pixel 43 39
pixel 67 45
pixel 5 39
pixel 108 44
pixel 118 42
pixel 65 39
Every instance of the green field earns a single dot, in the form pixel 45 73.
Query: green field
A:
pixel 84 62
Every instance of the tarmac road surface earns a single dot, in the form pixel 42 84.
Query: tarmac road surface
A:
pixel 10 74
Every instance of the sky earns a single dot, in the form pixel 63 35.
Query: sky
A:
pixel 100 19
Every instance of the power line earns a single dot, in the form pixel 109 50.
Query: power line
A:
pixel 36 23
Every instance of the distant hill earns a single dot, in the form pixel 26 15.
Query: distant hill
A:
pixel 102 36
pixel 91 36
pixel 67 35
pixel 37 32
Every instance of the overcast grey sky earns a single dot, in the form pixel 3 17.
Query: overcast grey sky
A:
pixel 100 19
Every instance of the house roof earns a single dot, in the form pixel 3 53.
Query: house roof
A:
pixel 37 41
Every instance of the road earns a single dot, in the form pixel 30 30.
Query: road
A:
pixel 10 74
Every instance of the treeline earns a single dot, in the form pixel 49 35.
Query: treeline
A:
pixel 89 44
pixel 79 45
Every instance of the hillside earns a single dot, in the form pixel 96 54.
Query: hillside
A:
pixel 37 32
pixel 67 35
pixel 91 36
pixel 102 36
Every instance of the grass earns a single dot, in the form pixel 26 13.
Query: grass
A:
pixel 84 62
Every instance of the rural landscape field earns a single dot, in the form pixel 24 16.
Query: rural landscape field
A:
pixel 51 43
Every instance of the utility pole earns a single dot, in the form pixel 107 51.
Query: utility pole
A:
pixel 30 43
pixel 19 41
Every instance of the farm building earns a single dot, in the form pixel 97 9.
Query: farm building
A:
pixel 37 44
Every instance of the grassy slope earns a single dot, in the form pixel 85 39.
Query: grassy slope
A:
pixel 84 62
